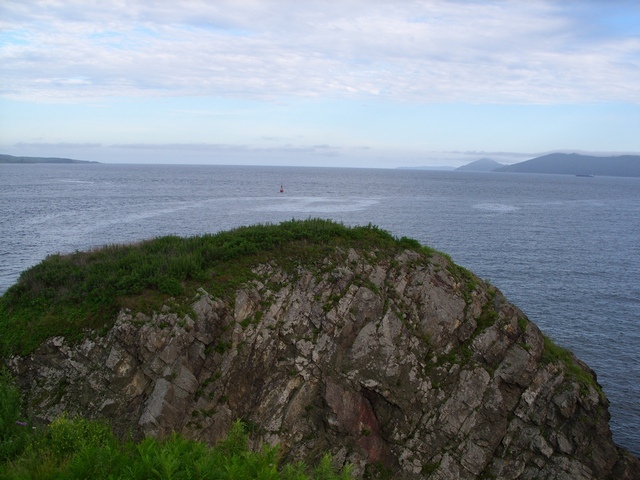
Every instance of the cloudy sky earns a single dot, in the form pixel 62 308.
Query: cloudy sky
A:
pixel 362 83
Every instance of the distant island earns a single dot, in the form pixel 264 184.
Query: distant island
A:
pixel 564 164
pixel 11 159
pixel 482 165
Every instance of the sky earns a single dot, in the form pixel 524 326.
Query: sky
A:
pixel 355 83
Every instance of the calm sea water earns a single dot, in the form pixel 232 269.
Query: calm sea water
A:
pixel 564 249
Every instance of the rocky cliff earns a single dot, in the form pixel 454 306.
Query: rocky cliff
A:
pixel 394 360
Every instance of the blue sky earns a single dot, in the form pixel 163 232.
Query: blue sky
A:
pixel 361 83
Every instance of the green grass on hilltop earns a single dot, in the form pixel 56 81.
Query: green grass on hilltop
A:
pixel 67 294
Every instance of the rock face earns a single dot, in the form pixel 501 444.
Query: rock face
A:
pixel 403 365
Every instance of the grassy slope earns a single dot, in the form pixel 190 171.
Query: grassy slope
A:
pixel 66 294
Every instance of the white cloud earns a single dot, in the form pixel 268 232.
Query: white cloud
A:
pixel 431 51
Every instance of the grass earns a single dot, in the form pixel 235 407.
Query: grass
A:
pixel 68 294
pixel 488 315
pixel 554 354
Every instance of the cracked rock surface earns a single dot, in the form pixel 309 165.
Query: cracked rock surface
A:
pixel 398 364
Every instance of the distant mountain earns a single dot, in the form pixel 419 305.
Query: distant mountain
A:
pixel 12 159
pixel 576 164
pixel 482 165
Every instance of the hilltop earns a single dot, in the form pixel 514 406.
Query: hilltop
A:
pixel 320 337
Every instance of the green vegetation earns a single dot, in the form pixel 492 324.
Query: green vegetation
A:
pixel 429 468
pixel 67 294
pixel 463 353
pixel 488 315
pixel 13 435
pixel 75 448
pixel 553 354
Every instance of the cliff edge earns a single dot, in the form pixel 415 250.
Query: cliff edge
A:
pixel 384 353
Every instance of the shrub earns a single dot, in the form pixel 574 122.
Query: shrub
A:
pixel 80 449
pixel 14 431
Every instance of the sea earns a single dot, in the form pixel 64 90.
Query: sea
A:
pixel 564 249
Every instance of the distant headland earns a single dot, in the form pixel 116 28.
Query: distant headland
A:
pixel 576 164
pixel 556 163
pixel 11 159
pixel 564 164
